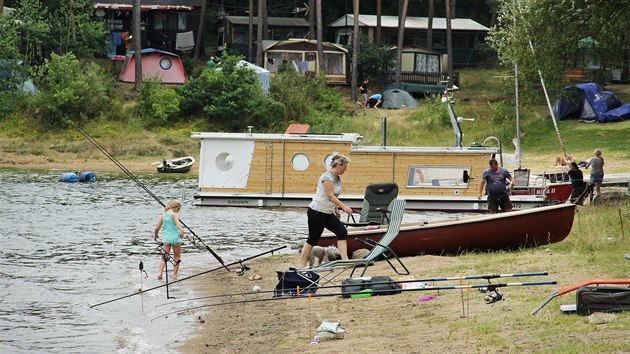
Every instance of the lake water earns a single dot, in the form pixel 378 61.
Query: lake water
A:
pixel 65 247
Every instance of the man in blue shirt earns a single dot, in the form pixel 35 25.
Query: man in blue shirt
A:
pixel 498 195
pixel 375 100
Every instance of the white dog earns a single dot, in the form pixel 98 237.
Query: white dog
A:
pixel 321 255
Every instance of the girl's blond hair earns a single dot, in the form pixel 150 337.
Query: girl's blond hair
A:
pixel 597 152
pixel 338 159
pixel 174 205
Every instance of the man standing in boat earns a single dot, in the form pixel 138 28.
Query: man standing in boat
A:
pixel 498 196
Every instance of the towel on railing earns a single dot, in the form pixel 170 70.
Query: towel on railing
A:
pixel 185 41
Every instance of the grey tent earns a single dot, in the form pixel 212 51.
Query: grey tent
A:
pixel 396 98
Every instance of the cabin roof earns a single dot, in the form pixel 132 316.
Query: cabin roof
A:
pixel 439 23
pixel 345 137
pixel 271 21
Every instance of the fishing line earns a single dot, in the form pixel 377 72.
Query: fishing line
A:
pixel 487 277
pixel 131 175
pixel 192 276
pixel 489 287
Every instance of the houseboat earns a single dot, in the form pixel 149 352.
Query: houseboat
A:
pixel 281 170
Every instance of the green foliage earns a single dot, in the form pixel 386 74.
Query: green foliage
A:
pixel 432 116
pixel 76 29
pixel 303 97
pixel 32 25
pixel 372 59
pixel 554 28
pixel 69 91
pixel 8 38
pixel 157 104
pixel 228 96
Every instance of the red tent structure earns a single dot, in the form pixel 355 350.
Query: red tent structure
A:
pixel 155 64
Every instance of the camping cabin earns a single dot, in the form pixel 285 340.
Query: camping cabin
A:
pixel 233 31
pixel 466 34
pixel 422 71
pixel 166 25
pixel 261 170
pixel 155 64
pixel 301 55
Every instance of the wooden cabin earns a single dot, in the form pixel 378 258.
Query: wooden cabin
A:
pixel 259 170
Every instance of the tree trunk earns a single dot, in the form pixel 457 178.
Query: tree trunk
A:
pixel 355 48
pixel 137 43
pixel 379 13
pixel 250 33
pixel 311 19
pixel 402 16
pixel 1 6
pixel 449 42
pixel 259 34
pixel 430 26
pixel 265 25
pixel 320 38
pixel 200 29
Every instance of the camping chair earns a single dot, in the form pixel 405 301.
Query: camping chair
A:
pixel 376 205
pixel 380 248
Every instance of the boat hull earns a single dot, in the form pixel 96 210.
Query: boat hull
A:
pixel 505 231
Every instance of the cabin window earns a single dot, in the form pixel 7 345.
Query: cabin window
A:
pixel 224 161
pixel 437 176
pixel 300 162
pixel 334 64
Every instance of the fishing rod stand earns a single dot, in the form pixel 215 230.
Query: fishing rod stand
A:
pixel 167 258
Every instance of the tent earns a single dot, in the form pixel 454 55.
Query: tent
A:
pixel 395 98
pixel 590 102
pixel 262 73
pixel 155 64
pixel 12 77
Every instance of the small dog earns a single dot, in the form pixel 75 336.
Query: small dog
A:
pixel 321 255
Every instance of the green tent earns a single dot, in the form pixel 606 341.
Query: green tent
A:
pixel 395 98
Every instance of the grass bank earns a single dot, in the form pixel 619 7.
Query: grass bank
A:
pixel 481 97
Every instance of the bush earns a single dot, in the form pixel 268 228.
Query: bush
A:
pixel 228 96
pixel 304 97
pixel 71 92
pixel 157 104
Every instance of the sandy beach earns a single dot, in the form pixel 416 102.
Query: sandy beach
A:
pixel 453 321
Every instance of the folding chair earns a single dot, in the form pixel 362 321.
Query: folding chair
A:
pixel 380 248
pixel 376 204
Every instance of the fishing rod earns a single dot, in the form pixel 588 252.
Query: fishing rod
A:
pixel 144 187
pixel 489 287
pixel 461 278
pixel 240 261
pixel 570 288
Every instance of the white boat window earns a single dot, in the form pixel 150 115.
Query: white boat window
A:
pixel 300 162
pixel 328 161
pixel 224 161
pixel 437 176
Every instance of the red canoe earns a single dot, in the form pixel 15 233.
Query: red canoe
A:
pixel 503 231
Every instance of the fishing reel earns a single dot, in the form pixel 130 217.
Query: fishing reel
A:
pixel 243 268
pixel 493 296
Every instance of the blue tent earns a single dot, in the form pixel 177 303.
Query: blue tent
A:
pixel 590 102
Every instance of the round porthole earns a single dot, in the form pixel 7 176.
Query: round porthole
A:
pixel 224 161
pixel 166 63
pixel 300 162
pixel 328 161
